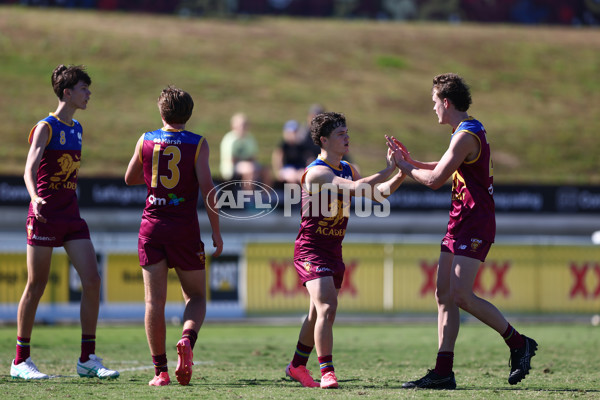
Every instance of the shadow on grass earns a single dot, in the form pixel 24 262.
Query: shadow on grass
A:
pixel 507 389
pixel 284 382
pixel 541 390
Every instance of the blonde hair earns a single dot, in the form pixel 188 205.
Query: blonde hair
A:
pixel 238 120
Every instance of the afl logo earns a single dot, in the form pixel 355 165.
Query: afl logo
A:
pixel 243 199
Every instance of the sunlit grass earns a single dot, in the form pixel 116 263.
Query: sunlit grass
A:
pixel 535 89
pixel 371 360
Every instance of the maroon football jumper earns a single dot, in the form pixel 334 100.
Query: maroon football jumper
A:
pixel 472 225
pixel 169 227
pixel 318 246
pixel 57 184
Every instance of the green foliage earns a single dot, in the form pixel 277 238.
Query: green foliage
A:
pixel 535 89
pixel 371 361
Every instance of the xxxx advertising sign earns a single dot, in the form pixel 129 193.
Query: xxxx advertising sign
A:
pixel 13 278
pixel 126 283
pixel 402 278
pixel 273 284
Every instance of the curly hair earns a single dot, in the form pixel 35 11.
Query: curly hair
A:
pixel 175 105
pixel 452 87
pixel 66 77
pixel 323 124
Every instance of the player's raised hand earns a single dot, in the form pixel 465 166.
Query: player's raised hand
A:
pixel 405 152
pixel 390 158
pixel 396 144
pixel 394 149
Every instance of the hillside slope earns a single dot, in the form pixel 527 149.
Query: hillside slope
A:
pixel 536 89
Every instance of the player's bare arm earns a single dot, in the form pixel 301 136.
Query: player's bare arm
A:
pixel 206 187
pixel 40 137
pixel 135 170
pixel 320 175
pixel 385 189
pixel 463 147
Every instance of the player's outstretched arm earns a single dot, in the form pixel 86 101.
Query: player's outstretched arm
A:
pixel 378 182
pixel 319 176
pixel 381 191
pixel 135 170
pixel 209 196
pixel 460 147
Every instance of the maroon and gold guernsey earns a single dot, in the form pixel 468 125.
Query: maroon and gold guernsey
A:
pixel 321 236
pixel 168 158
pixel 58 169
pixel 472 212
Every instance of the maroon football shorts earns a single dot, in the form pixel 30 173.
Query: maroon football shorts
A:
pixel 56 231
pixel 466 246
pixel 188 256
pixel 310 269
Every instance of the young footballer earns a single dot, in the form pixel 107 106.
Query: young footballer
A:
pixel 318 248
pixel 470 234
pixel 53 220
pixel 173 163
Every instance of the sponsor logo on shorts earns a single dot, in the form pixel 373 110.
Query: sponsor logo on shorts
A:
pixel 475 243
pixel 43 238
pixel 323 269
pixel 307 265
pixel 462 247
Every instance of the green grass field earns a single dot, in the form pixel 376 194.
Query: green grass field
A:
pixel 536 89
pixel 240 361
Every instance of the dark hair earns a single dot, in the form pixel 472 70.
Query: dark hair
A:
pixel 323 124
pixel 64 77
pixel 452 87
pixel 175 105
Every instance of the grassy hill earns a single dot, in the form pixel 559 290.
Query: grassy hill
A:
pixel 537 90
